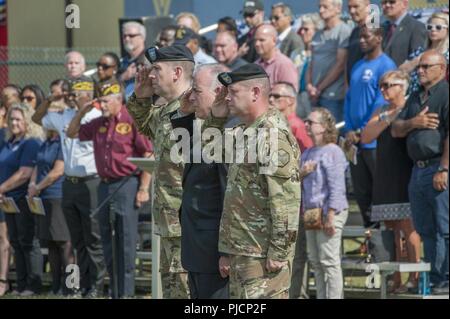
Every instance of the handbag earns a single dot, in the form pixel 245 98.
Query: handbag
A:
pixel 313 219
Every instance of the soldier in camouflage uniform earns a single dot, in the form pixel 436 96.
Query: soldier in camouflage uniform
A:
pixel 260 218
pixel 169 77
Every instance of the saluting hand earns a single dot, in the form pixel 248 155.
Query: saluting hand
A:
pixel 219 107
pixel 143 83
pixel 186 106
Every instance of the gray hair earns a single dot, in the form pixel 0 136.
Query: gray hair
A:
pixel 313 18
pixel 214 70
pixel 137 25
pixel 66 57
pixel 287 11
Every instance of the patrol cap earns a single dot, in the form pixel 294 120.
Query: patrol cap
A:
pixel 172 53
pixel 252 5
pixel 247 72
pixel 82 83
pixel 183 35
pixel 110 88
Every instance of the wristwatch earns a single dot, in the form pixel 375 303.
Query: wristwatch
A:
pixel 442 169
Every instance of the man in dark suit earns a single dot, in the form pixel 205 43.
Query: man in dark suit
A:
pixel 402 33
pixel 203 192
pixel 288 39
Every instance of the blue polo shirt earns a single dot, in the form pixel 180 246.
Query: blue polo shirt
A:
pixel 364 95
pixel 49 152
pixel 14 155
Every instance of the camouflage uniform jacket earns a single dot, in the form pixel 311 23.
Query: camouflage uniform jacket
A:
pixel 261 211
pixel 154 122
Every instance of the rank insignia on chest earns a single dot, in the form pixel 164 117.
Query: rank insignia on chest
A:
pixel 123 128
pixel 102 130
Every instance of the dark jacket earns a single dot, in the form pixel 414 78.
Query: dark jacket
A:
pixel 407 38
pixel 290 43
pixel 201 209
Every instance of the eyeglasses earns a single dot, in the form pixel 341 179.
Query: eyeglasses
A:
pixel 302 29
pixel 391 2
pixel 131 35
pixel 104 66
pixel 278 96
pixel 387 85
pixel 437 27
pixel 309 122
pixel 28 98
pixel 426 66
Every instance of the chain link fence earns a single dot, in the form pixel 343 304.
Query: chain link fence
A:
pixel 40 66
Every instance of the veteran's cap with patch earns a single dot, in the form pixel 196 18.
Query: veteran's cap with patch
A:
pixel 183 35
pixel 173 53
pixel 83 83
pixel 247 72
pixel 110 88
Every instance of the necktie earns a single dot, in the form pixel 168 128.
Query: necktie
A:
pixel 390 33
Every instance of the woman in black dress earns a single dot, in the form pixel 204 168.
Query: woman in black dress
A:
pixel 392 174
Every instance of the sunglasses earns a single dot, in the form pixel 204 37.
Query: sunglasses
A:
pixel 278 96
pixel 437 27
pixel 426 66
pixel 131 35
pixel 387 85
pixel 104 66
pixel 28 98
pixel 304 29
pixel 391 2
pixel 275 18
pixel 249 15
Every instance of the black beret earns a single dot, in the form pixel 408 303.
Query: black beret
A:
pixel 247 72
pixel 172 53
pixel 184 35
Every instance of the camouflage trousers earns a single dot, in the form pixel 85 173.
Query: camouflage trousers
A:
pixel 174 278
pixel 249 279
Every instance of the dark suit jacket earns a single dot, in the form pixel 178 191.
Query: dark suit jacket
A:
pixel 407 38
pixel 201 209
pixel 290 43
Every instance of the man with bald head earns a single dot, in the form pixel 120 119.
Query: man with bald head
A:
pixel 424 122
pixel 226 50
pixel 278 66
